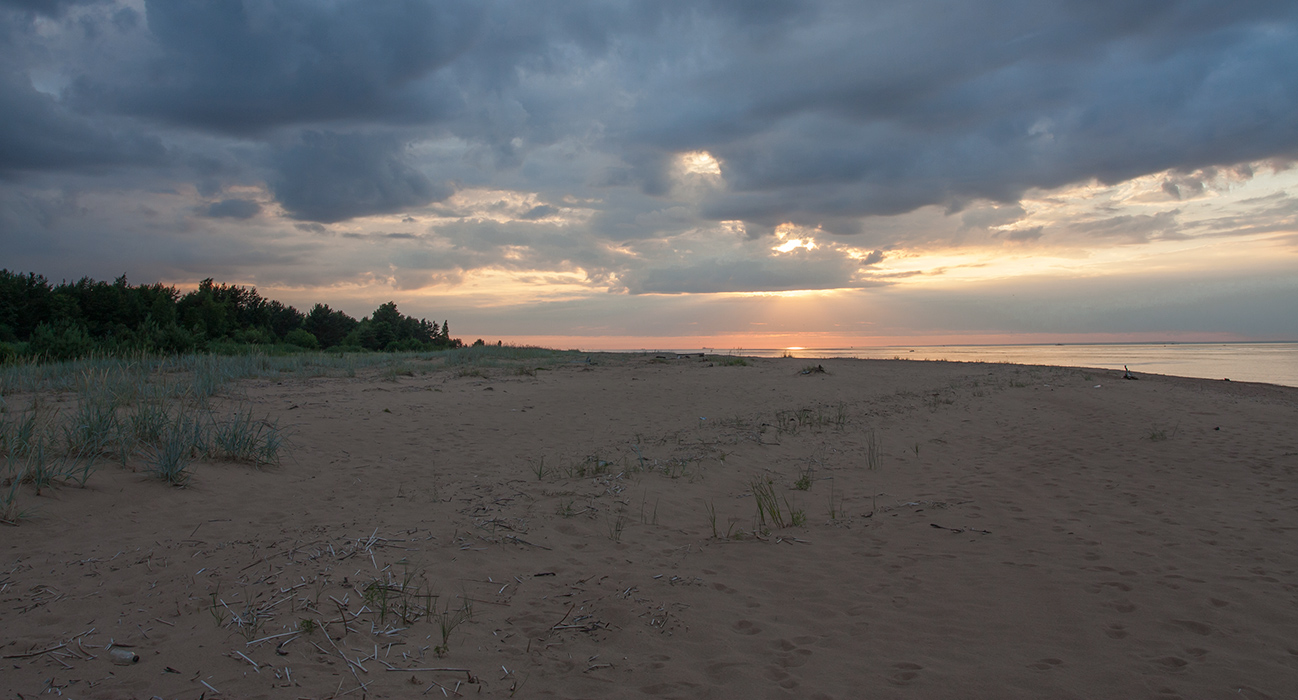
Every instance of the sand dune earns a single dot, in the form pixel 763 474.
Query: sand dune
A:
pixel 965 531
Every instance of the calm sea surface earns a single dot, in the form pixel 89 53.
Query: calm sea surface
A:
pixel 1274 363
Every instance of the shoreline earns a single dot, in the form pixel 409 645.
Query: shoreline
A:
pixel 1268 362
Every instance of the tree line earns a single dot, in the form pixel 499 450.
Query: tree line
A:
pixel 76 319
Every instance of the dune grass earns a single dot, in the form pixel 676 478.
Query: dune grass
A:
pixel 155 413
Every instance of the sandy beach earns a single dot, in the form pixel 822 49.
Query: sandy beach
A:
pixel 595 529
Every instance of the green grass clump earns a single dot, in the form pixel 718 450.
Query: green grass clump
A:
pixel 805 478
pixel 769 510
pixel 170 459
pixel 9 485
pixel 245 439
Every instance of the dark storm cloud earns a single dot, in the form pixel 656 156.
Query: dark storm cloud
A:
pixel 38 134
pixel 242 67
pixel 48 8
pixel 933 104
pixel 329 177
pixel 818 110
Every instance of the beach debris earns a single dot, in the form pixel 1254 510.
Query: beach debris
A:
pixel 818 369
pixel 1126 373
pixel 958 530
pixel 123 657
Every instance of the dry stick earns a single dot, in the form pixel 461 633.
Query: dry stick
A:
pixel 565 617
pixel 432 670
pixel 273 636
pixel 342 615
pixel 279 648
pixel 359 687
pixel 34 653
pixel 254 663
pixel 439 685
pixel 350 663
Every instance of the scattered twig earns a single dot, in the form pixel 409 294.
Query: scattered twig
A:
pixel 255 667
pixel 34 653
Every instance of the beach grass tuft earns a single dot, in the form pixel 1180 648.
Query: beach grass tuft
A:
pixel 872 450
pixel 769 510
pixel 170 458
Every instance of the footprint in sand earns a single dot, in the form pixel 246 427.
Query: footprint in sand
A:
pixel 905 673
pixel 795 659
pixel 775 673
pixel 721 671
pixel 1046 664
pixel 792 656
pixel 1195 627
pixel 1122 606
pixel 1116 631
pixel 746 627
pixel 1170 663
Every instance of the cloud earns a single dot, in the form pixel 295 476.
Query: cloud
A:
pixel 47 8
pixel 1131 227
pixel 757 272
pixel 38 134
pixel 539 211
pixel 329 177
pixel 233 209
pixel 1024 234
pixel 244 67
pixel 884 110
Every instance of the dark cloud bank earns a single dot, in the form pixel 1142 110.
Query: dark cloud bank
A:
pixel 821 113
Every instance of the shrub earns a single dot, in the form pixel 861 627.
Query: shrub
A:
pixel 302 338
pixel 66 343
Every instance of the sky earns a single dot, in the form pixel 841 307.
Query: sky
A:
pixel 660 173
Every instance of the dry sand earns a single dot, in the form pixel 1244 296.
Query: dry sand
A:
pixel 1026 532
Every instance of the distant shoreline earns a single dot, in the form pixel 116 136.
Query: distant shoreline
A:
pixel 1271 362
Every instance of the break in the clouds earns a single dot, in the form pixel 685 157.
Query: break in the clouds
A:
pixel 637 147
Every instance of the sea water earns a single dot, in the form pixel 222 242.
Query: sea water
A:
pixel 1273 363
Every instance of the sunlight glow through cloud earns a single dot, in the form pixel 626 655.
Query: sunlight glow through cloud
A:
pixel 700 163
